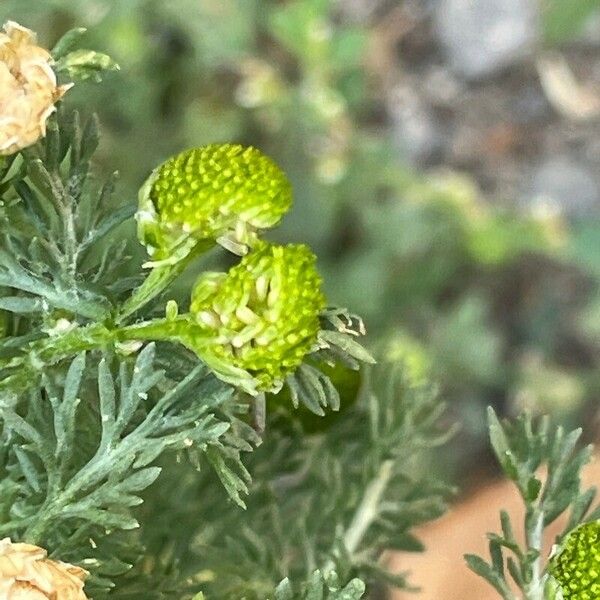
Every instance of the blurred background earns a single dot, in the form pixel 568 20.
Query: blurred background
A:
pixel 445 156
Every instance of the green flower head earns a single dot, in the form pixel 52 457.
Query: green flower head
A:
pixel 263 315
pixel 221 192
pixel 576 565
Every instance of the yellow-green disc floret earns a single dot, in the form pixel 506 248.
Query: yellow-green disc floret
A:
pixel 264 312
pixel 221 192
pixel 576 566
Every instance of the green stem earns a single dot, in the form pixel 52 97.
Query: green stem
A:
pixel 157 329
pixel 23 370
pixel 159 279
pixel 71 343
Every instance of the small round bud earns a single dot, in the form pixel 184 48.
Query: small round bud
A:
pixel 575 566
pixel 263 315
pixel 220 192
pixel 27 574
pixel 171 310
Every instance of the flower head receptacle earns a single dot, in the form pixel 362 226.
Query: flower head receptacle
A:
pixel 575 566
pixel 26 573
pixel 28 89
pixel 221 192
pixel 262 317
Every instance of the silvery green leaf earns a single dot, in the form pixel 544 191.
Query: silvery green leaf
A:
pixel 86 64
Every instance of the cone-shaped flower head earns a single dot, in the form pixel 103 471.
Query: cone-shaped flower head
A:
pixel 221 192
pixel 27 574
pixel 576 565
pixel 28 89
pixel 263 315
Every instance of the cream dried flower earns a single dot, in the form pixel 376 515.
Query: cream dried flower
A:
pixel 26 573
pixel 28 89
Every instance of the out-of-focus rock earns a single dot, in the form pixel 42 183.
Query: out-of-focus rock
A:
pixel 358 11
pixel 562 185
pixel 529 105
pixel 441 86
pixel 418 134
pixel 481 37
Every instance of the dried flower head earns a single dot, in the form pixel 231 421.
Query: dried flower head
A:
pixel 28 89
pixel 576 565
pixel 263 315
pixel 27 574
pixel 222 192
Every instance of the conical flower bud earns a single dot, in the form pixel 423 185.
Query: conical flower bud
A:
pixel 576 565
pixel 220 192
pixel 28 89
pixel 262 316
pixel 27 574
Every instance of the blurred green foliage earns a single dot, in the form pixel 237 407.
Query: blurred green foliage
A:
pixel 563 19
pixel 467 290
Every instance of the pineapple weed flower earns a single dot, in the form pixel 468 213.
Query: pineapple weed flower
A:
pixel 575 567
pixel 221 192
pixel 264 314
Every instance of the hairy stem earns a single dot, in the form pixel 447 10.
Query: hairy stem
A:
pixel 534 534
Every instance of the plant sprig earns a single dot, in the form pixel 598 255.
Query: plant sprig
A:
pixel 545 464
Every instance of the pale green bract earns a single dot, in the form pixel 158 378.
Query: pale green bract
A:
pixel 262 316
pixel 575 567
pixel 221 192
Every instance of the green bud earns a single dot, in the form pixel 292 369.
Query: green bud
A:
pixel 262 317
pixel 575 567
pixel 220 192
pixel 171 310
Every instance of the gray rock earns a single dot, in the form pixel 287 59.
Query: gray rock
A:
pixel 358 11
pixel 481 37
pixel 417 133
pixel 562 185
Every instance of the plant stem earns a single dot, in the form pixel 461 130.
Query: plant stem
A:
pixel 366 512
pixel 368 509
pixel 534 590
pixel 159 279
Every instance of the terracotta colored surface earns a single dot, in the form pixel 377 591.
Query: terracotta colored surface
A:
pixel 440 571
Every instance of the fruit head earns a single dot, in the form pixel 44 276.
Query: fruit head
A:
pixel 576 565
pixel 263 315
pixel 28 88
pixel 220 192
pixel 26 572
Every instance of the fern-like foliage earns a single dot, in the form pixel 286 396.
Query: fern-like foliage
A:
pixel 53 218
pixel 522 448
pixel 332 502
pixel 77 457
pixel 319 587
